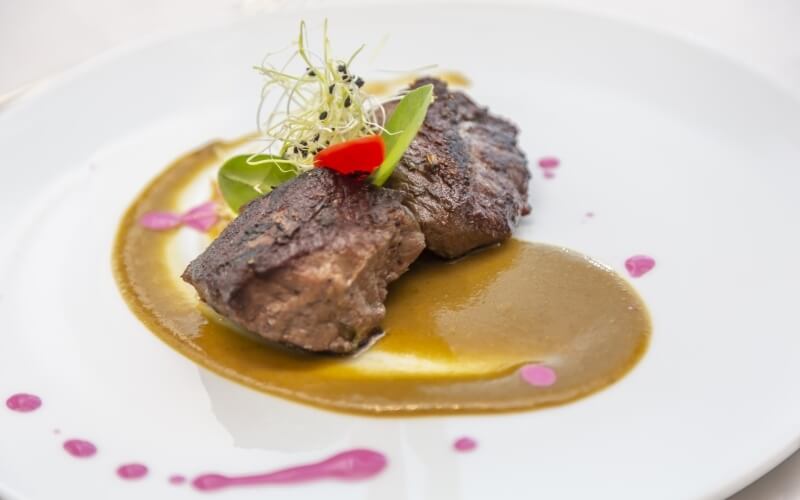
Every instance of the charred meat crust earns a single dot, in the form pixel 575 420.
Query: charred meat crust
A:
pixel 465 178
pixel 309 264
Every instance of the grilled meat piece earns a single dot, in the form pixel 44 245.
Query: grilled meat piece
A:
pixel 308 265
pixel 465 178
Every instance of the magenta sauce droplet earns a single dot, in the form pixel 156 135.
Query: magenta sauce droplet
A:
pixel 549 162
pixel 639 265
pixel 132 471
pixel 177 479
pixel 23 402
pixel 348 465
pixel 538 375
pixel 80 448
pixel 465 444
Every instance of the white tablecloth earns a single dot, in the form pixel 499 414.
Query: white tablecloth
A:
pixel 39 38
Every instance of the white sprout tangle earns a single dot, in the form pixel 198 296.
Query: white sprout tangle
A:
pixel 322 106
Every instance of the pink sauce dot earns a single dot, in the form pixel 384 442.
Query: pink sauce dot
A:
pixel 177 479
pixel 465 444
pixel 549 162
pixel 589 215
pixel 80 448
pixel 132 471
pixel 538 375
pixel 23 403
pixel 639 265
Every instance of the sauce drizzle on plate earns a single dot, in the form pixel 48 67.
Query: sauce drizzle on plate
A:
pixel 512 327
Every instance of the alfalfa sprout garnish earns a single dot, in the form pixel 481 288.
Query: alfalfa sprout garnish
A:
pixel 301 113
pixel 321 116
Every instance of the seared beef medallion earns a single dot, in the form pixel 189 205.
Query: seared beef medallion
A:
pixel 465 178
pixel 308 264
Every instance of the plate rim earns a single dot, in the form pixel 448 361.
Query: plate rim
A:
pixel 17 106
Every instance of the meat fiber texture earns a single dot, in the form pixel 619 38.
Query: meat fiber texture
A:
pixel 465 178
pixel 308 264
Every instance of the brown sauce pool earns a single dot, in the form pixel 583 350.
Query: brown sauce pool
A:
pixel 457 333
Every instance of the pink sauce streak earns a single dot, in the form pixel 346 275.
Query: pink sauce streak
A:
pixel 639 265
pixel 549 174
pixel 23 402
pixel 159 221
pixel 538 375
pixel 349 465
pixel 202 218
pixel 132 471
pixel 177 479
pixel 465 444
pixel 80 448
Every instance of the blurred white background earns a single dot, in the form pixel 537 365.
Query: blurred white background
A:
pixel 40 38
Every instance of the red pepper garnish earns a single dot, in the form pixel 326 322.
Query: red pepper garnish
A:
pixel 357 156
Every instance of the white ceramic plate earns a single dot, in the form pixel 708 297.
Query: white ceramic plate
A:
pixel 680 154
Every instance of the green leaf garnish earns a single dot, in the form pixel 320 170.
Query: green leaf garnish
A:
pixel 244 178
pixel 401 128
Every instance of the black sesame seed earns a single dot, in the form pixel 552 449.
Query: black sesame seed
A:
pixel 303 143
pixel 311 72
pixel 347 102
pixel 295 150
pixel 323 115
pixel 342 69
pixel 359 82
pixel 315 139
pixel 331 87
pixel 305 153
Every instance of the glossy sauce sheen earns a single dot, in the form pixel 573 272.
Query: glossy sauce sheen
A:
pixel 457 333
